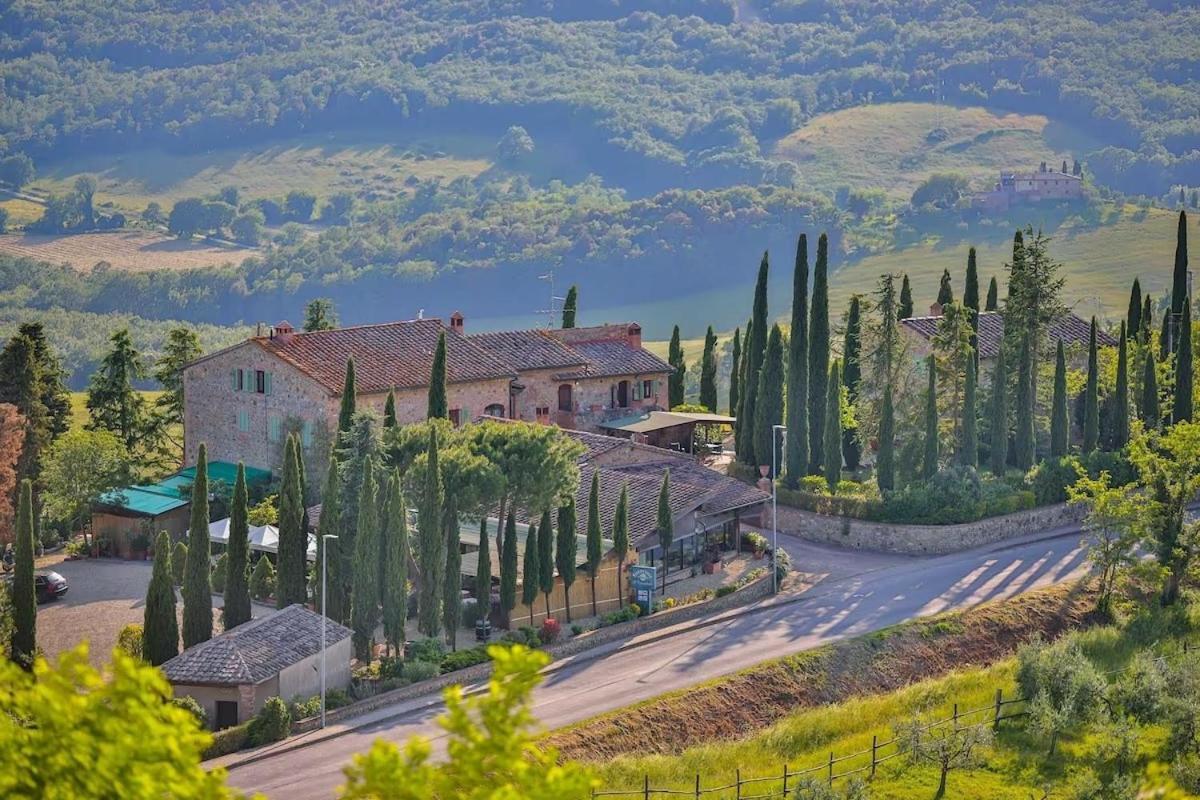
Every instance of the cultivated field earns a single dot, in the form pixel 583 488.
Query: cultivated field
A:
pixel 895 146
pixel 131 249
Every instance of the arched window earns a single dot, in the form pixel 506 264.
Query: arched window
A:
pixel 623 394
pixel 494 410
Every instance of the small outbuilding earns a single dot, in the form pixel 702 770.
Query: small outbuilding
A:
pixel 279 655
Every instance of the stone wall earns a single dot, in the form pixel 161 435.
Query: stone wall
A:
pixel 922 539
pixel 469 398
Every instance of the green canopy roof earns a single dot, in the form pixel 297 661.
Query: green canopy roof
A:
pixel 227 472
pixel 171 493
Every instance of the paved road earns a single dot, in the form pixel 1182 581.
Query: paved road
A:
pixel 848 606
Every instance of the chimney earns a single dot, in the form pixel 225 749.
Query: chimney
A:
pixel 635 335
pixel 283 332
pixel 935 310
pixel 456 321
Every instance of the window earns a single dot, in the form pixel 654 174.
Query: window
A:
pixel 260 382
pixel 274 429
pixel 243 420
pixel 227 714
pixel 456 417
pixel 647 389
pixel 637 390
pixel 543 412
pixel 239 379
pixel 306 433
pixel 565 398
pixel 494 410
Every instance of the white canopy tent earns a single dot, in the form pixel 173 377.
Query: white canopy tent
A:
pixel 263 538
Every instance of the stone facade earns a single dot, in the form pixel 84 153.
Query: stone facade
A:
pixel 583 402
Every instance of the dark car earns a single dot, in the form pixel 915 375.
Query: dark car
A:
pixel 49 585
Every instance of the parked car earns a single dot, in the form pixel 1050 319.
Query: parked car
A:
pixel 47 585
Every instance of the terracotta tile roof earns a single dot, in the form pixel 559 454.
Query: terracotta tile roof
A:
pixel 610 358
pixel 391 355
pixel 1071 329
pixel 525 350
pixel 597 352
pixel 255 651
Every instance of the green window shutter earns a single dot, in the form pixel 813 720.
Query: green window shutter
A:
pixel 306 433
pixel 268 383
pixel 637 390
pixel 273 429
pixel 233 375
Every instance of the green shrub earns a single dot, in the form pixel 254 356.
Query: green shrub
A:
pixel 229 740
pixel 464 658
pixel 726 590
pixel 576 629
pixel 629 612
pixel 1050 479
pixel 814 484
pixel 262 579
pixel 417 671
pixel 178 561
pixel 272 724
pixel 129 640
pixel 218 574
pixel 751 540
pixel 524 635
pixel 783 565
pixel 470 613
pixel 190 705
pixel 431 650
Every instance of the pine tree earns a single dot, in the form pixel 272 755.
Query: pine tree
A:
pixel 389 410
pixel 364 606
pixel 1119 434
pixel 929 464
pixel 818 357
pixel 708 372
pixel 885 464
pixel 160 627
pixel 797 372
pixel 431 542
pixel 1182 409
pixel 833 429
pixel 768 409
pixel 675 384
pixel 23 646
pixel 237 570
pixel 620 539
pixel 395 588
pixel 905 309
pixel 735 369
pixel 1091 396
pixel 437 382
pixel 993 296
pixel 1133 317
pixel 595 536
pixel 319 315
pixel 349 393
pixel 566 550
pixel 971 302
pixel 452 585
pixel 945 290
pixel 330 524
pixel 1059 421
pixel 113 403
pixel 570 306
pixel 851 374
pixel 197 588
pixel 531 573
pixel 1025 443
pixel 968 448
pixel 664 522
pixel 508 568
pixel 483 574
pixel 1151 414
pixel 546 557
pixel 998 460
pixel 1179 281
pixel 293 539
pixel 756 347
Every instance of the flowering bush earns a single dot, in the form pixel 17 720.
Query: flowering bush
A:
pixel 550 630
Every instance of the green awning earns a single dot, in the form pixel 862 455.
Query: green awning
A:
pixel 227 472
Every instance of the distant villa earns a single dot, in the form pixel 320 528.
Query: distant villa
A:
pixel 1015 188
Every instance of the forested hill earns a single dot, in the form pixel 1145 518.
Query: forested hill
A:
pixel 661 93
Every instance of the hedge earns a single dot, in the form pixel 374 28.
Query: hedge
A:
pixel 229 740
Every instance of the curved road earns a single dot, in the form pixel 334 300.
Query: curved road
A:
pixel 637 669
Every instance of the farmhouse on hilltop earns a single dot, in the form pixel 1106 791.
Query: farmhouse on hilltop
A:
pixel 242 400
pixel 1015 188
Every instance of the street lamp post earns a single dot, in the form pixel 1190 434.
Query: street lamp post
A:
pixel 324 571
pixel 778 432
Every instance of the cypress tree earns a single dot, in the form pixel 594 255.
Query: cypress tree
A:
pixel 595 537
pixel 1119 436
pixel 851 374
pixel 797 452
pixel 999 414
pixel 389 410
pixel 197 589
pixel 971 301
pixel 756 346
pixel 330 524
pixel 508 568
pixel 675 383
pixel 708 372
pixel 1025 444
pixel 437 408
pixel 969 443
pixel 1134 316
pixel 237 574
pixel 929 464
pixel 621 539
pixel 1059 430
pixel 945 291
pixel 393 561
pixel 1147 321
pixel 566 550
pixel 431 543
pixel 885 465
pixel 483 575
pixel 178 562
pixel 1182 408
pixel 452 585
pixel 743 432
pixel 293 540
pixel 349 393
pixel 665 523
pixel 546 557
pixel 23 647
pixel 570 306
pixel 735 369
pixel 531 573
pixel 160 627
pixel 1091 397
pixel 993 296
pixel 1164 337
pixel 818 357
pixel 833 429
pixel 905 309
pixel 364 605
pixel 1151 415
pixel 768 410
pixel 1179 280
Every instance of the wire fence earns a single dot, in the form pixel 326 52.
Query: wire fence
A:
pixel 787 782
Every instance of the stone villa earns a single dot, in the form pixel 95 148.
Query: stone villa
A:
pixel 1015 188
pixel 241 400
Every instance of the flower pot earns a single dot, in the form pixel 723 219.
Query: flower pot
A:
pixel 763 470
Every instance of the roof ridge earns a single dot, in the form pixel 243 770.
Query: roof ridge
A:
pixel 361 326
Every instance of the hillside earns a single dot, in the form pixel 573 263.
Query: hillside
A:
pixel 131 250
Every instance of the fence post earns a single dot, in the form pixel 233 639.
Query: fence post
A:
pixel 874 748
pixel 831 769
pixel 697 785
pixel 999 703
pixel 646 787
pixel 956 716
pixel 738 775
pixel 785 782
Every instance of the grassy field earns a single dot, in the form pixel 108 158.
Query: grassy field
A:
pixel 895 146
pixel 79 411
pixel 20 212
pixel 130 250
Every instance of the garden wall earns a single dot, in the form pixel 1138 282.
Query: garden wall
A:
pixel 923 539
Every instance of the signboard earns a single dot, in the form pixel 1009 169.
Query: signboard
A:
pixel 643 581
